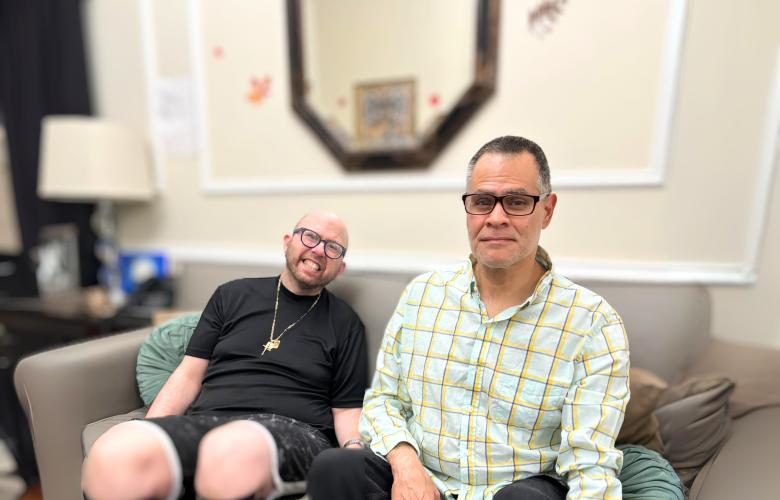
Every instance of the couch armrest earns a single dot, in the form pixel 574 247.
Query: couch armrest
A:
pixel 63 389
pixel 747 465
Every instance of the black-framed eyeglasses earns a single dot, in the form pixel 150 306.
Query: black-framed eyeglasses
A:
pixel 513 204
pixel 311 239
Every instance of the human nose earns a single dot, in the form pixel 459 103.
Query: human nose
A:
pixel 497 215
pixel 319 248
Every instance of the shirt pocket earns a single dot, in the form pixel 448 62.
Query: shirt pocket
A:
pixel 528 405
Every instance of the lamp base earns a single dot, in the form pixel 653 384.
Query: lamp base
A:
pixel 107 252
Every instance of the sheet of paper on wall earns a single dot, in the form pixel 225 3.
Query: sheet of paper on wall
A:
pixel 175 118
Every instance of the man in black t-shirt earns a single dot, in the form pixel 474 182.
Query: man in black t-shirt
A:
pixel 274 373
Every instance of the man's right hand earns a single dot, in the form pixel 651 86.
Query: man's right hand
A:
pixel 410 479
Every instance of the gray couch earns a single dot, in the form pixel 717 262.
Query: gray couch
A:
pixel 65 389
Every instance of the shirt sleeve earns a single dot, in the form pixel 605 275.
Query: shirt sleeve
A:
pixel 593 412
pixel 209 327
pixel 387 404
pixel 351 375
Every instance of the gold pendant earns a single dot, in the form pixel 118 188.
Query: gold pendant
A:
pixel 270 346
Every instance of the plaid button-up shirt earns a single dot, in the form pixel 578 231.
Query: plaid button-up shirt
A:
pixel 540 388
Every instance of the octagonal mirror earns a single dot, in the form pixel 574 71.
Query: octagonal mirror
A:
pixel 387 84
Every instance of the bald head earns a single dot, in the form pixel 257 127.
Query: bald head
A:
pixel 324 219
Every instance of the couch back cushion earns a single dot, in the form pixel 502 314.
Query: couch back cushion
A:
pixel 668 325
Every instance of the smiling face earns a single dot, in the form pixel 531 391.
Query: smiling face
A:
pixel 308 270
pixel 498 240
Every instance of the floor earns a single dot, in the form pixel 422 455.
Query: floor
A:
pixel 33 493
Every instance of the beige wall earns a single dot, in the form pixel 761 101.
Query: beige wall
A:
pixel 684 228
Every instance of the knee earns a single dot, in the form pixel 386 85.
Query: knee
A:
pixel 127 460
pixel 344 474
pixel 234 460
pixel 336 463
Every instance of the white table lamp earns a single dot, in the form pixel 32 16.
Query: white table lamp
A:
pixel 90 159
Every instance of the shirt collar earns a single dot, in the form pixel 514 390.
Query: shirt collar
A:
pixel 542 257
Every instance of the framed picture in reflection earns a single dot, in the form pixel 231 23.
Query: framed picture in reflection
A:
pixel 57 258
pixel 385 114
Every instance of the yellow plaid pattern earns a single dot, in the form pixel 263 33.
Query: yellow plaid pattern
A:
pixel 539 388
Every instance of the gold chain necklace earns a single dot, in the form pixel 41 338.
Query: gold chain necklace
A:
pixel 273 343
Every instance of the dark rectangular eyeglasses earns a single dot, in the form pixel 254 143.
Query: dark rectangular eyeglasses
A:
pixel 513 204
pixel 311 239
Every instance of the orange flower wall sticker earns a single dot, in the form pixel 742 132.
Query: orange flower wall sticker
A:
pixel 258 89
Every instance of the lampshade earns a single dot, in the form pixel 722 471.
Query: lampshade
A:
pixel 86 159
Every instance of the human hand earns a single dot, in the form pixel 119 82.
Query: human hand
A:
pixel 410 479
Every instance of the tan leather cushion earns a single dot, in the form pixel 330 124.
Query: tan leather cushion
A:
pixel 746 466
pixel 640 425
pixel 96 429
pixel 754 370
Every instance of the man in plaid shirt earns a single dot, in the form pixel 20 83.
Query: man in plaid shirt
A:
pixel 497 378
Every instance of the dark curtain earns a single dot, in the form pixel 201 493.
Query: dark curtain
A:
pixel 42 72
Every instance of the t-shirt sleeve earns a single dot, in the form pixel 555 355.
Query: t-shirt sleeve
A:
pixel 351 371
pixel 206 334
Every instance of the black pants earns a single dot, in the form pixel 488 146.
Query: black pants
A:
pixel 362 475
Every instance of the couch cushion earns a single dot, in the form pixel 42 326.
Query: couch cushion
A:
pixel 754 370
pixel 640 425
pixel 96 429
pixel 695 420
pixel 161 353
pixel 746 466
pixel 646 475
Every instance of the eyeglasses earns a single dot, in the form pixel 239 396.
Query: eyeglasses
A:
pixel 311 239
pixel 513 204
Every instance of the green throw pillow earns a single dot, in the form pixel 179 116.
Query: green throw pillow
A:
pixel 646 475
pixel 161 353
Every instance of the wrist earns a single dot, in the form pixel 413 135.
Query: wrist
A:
pixel 354 443
pixel 402 455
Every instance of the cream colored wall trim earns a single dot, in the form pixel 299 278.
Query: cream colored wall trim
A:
pixel 633 271
pixel 652 174
pixel 149 43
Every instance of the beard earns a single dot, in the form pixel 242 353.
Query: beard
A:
pixel 303 281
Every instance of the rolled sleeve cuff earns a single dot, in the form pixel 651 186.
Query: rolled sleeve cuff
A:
pixel 382 445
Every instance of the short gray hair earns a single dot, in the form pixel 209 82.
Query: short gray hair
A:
pixel 513 145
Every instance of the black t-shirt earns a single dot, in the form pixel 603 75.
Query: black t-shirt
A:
pixel 320 364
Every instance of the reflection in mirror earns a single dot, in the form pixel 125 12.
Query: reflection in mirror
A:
pixel 388 84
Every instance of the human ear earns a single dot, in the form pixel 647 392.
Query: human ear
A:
pixel 549 208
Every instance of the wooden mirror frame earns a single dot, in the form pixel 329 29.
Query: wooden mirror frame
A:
pixel 481 89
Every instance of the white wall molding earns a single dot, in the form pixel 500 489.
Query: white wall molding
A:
pixel 652 174
pixel 151 77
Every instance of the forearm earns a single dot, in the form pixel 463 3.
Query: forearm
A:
pixel 345 423
pixel 383 422
pixel 175 397
pixel 181 388
pixel 592 415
